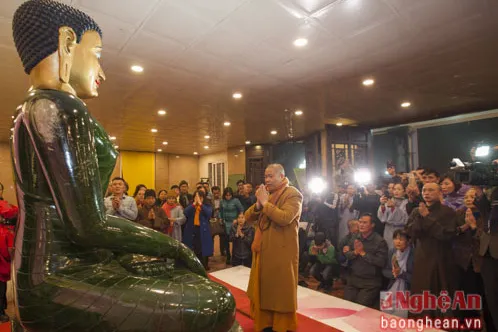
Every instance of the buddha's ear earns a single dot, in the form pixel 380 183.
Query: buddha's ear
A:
pixel 67 44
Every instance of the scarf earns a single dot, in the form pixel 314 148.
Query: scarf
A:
pixel 264 221
pixel 402 257
pixel 167 208
pixel 197 221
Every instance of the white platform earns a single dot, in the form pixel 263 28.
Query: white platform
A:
pixel 327 309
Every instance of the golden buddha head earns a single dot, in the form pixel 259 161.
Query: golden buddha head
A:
pixel 59 46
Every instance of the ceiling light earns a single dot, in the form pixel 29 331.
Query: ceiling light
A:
pixel 406 104
pixel 226 124
pixel 137 69
pixel 206 147
pixel 161 112
pixel 207 137
pixel 177 157
pixel 236 155
pixel 112 138
pixel 196 153
pixel 273 132
pixel 298 112
pixel 368 82
pixel 165 143
pixel 300 42
pixel 248 142
pixel 241 150
pixel 116 146
pixel 159 150
pixel 237 95
pixel 339 124
pixel 154 130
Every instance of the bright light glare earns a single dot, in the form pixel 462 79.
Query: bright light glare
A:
pixel 386 173
pixel 161 112
pixel 300 42
pixel 406 104
pixel 316 185
pixel 363 176
pixel 298 112
pixel 137 69
pixel 303 164
pixel 237 95
pixel 226 124
pixel 368 82
pixel 482 151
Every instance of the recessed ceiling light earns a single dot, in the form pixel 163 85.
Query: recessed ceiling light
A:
pixel 12 116
pixel 300 42
pixel 154 130
pixel 368 82
pixel 161 112
pixel 196 153
pixel 339 124
pixel 137 69
pixel 236 155
pixel 112 138
pixel 406 104
pixel 248 142
pixel 116 146
pixel 177 157
pixel 241 150
pixel 226 124
pixel 165 143
pixel 273 132
pixel 237 95
pixel 207 137
pixel 159 150
pixel 206 147
pixel 298 112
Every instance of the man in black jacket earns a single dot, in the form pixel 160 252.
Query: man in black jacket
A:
pixel 185 198
pixel 367 253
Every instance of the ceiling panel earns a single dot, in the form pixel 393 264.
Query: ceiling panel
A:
pixel 130 11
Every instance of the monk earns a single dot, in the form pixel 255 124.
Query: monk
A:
pixel 433 226
pixel 274 274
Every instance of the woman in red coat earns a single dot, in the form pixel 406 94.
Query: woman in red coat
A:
pixel 7 213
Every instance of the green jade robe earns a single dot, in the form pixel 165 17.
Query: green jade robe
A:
pixel 77 269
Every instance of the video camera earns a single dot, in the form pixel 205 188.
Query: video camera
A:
pixel 483 172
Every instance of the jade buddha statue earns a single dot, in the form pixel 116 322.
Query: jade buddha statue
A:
pixel 76 268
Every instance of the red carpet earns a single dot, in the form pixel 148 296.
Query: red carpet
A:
pixel 304 324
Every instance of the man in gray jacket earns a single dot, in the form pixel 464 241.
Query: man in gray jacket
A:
pixel 367 254
pixel 119 204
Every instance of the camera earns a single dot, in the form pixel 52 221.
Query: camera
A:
pixel 476 174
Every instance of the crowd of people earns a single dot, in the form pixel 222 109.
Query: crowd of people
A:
pixel 192 218
pixel 417 231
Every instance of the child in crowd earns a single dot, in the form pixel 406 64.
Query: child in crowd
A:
pixel 399 266
pixel 325 267
pixel 241 235
pixel 174 212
